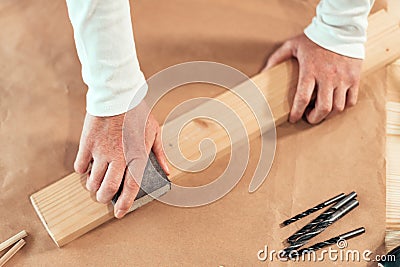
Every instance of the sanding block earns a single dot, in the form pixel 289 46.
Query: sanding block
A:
pixel 66 207
pixel 155 182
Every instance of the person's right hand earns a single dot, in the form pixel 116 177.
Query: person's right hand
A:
pixel 102 144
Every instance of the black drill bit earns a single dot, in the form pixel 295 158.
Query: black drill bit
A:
pixel 321 218
pixel 314 209
pixel 332 241
pixel 321 227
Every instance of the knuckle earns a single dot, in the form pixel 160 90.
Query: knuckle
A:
pixel 338 107
pixel 149 144
pixel 78 167
pixel 131 184
pixel 303 97
pixel 157 148
pixel 288 44
pixel 325 108
pixel 295 115
pixel 311 121
pixel 155 123
pixel 356 88
pixel 120 163
pixel 353 77
pixel 95 178
pixel 93 184
pixel 112 187
pixel 334 71
pixel 127 204
pixel 352 102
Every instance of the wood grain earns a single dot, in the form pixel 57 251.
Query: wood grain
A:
pixel 68 211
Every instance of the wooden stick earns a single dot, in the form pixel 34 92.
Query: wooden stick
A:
pixel 13 240
pixel 68 211
pixel 6 257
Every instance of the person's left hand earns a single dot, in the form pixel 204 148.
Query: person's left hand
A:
pixel 335 78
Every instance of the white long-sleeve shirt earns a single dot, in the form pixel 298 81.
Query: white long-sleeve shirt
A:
pixel 105 46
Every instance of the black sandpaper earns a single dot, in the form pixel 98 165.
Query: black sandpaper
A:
pixel 154 182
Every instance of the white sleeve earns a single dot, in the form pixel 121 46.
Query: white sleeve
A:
pixel 105 45
pixel 341 26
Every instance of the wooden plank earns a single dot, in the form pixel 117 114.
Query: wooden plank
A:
pixel 68 211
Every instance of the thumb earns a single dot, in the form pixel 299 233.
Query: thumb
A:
pixel 283 53
pixel 159 153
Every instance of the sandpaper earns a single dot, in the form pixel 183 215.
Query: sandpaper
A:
pixel 154 184
pixel 42 107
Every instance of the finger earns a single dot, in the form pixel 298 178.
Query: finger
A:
pixel 323 105
pixel 111 182
pixel 159 153
pixel 82 160
pixel 283 53
pixel 127 197
pixel 352 96
pixel 302 97
pixel 96 175
pixel 339 101
pixel 150 137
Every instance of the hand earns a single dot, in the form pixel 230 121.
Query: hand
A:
pixel 335 78
pixel 102 144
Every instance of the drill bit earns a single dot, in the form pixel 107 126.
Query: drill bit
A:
pixel 321 227
pixel 332 241
pixel 314 209
pixel 321 218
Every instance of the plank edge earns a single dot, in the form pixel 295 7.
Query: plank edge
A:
pixel 42 219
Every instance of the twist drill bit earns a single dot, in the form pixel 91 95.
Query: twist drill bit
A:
pixel 321 227
pixel 332 241
pixel 321 218
pixel 314 209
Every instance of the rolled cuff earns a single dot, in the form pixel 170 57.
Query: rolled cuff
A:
pixel 116 104
pixel 329 42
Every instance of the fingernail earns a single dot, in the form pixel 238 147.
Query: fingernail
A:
pixel 88 187
pixel 100 198
pixel 119 214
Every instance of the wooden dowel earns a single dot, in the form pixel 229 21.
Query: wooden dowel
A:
pixel 6 257
pixel 13 240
